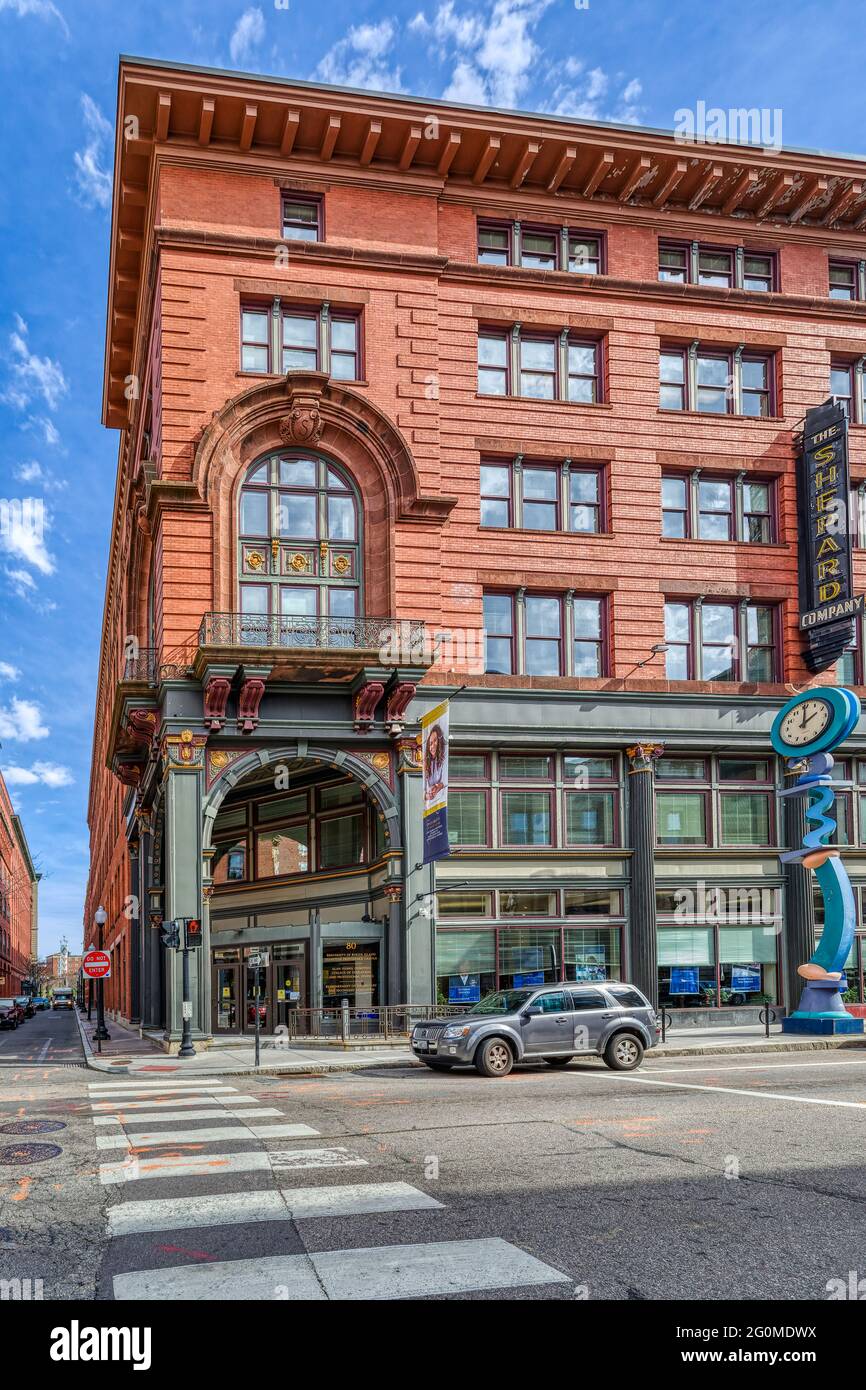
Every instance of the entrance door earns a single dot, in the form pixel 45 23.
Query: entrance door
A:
pixel 226 998
pixel 257 974
pixel 290 989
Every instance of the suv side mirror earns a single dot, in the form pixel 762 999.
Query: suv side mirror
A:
pixel 533 1011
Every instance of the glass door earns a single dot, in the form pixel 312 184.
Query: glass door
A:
pixel 225 999
pixel 290 988
pixel 257 975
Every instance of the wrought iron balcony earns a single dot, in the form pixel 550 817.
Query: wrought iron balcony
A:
pixel 395 641
pixel 142 666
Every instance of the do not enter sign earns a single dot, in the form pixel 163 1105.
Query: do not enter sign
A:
pixel 97 965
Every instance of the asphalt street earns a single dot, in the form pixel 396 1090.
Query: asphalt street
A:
pixel 734 1177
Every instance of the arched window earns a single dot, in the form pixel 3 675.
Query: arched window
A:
pixel 299 553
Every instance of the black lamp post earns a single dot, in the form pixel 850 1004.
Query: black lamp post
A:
pixel 102 1034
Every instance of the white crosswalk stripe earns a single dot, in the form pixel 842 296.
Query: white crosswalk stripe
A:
pixel 100 1106
pixel 287 1204
pixel 153 1117
pixel 146 1083
pixel 135 1168
pixel 144 1093
pixel 243 1131
pixel 380 1272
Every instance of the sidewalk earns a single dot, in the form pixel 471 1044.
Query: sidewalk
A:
pixel 129 1055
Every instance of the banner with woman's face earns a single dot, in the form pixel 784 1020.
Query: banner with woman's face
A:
pixel 434 763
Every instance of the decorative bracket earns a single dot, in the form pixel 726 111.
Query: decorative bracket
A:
pixel 216 693
pixel 399 700
pixel 366 700
pixel 249 700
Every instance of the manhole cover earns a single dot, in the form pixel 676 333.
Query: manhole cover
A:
pixel 32 1127
pixel 28 1153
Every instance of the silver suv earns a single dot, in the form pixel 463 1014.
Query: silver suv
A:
pixel 553 1024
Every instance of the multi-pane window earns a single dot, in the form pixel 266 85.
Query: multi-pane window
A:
pixel 289 340
pixel 544 635
pixel 715 801
pixel 539 366
pixel 844 280
pixel 541 497
pixel 541 800
pixel 299 558
pixel 685 263
pixel 699 506
pixel 715 382
pixel 302 218
pixel 717 947
pixel 714 641
pixel 540 248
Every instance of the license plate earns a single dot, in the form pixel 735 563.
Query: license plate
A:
pixel 421 1044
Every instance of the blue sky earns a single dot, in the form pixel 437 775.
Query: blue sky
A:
pixel 629 60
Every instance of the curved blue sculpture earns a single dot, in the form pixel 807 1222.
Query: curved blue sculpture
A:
pixel 804 731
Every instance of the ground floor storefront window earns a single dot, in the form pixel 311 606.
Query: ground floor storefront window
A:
pixel 472 962
pixel 350 972
pixel 717 966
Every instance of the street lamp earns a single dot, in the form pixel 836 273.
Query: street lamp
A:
pixel 102 1034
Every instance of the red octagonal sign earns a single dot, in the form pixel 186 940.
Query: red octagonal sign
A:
pixel 97 965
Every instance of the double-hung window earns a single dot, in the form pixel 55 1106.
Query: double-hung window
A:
pixel 846 280
pixel 541 496
pixel 544 634
pixel 539 366
pixel 280 338
pixel 692 263
pixel 302 218
pixel 707 507
pixel 713 381
pixel 540 248
pixel 711 641
pixel 848 385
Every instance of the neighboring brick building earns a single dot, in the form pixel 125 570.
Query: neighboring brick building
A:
pixel 18 901
pixel 374 358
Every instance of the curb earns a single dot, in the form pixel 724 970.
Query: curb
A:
pixel 120 1067
pixel 738 1049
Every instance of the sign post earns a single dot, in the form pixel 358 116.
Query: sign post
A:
pixel 184 935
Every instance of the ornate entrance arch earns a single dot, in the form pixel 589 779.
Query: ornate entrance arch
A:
pixel 330 757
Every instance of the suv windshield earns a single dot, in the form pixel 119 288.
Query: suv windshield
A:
pixel 504 1001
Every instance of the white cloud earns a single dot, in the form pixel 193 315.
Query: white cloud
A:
pixel 32 376
pixel 41 9
pixel 33 472
pixel 22 721
pixel 23 529
pixel 93 180
pixel 360 59
pixel 50 432
pixel 48 774
pixel 247 34
pixel 588 98
pixel 8 672
pixel 493 49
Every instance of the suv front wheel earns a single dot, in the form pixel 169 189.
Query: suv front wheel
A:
pixel 494 1057
pixel 624 1052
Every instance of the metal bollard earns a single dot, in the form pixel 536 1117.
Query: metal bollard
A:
pixel 666 1023
pixel 767 1016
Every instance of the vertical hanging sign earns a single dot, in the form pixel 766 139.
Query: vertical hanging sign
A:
pixel 434 762
pixel 827 601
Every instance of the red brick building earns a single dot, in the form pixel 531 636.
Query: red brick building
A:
pixel 18 901
pixel 375 360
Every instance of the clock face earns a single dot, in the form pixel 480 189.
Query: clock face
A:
pixel 806 722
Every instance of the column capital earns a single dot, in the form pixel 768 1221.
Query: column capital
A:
pixel 643 756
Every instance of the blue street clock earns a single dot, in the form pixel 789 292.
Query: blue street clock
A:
pixel 804 731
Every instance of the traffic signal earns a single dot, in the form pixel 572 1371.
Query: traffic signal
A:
pixel 192 932
pixel 170 935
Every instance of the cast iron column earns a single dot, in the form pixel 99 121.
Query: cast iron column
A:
pixel 798 932
pixel 643 953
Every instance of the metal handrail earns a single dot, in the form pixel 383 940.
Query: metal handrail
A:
pixel 376 1021
pixel 264 630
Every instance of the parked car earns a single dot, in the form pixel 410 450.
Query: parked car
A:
pixel 62 999
pixel 553 1024
pixel 41 1001
pixel 27 1006
pixel 8 1013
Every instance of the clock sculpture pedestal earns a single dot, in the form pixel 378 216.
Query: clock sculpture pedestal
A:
pixel 808 727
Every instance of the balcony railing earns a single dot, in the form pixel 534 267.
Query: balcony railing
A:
pixel 394 639
pixel 142 666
